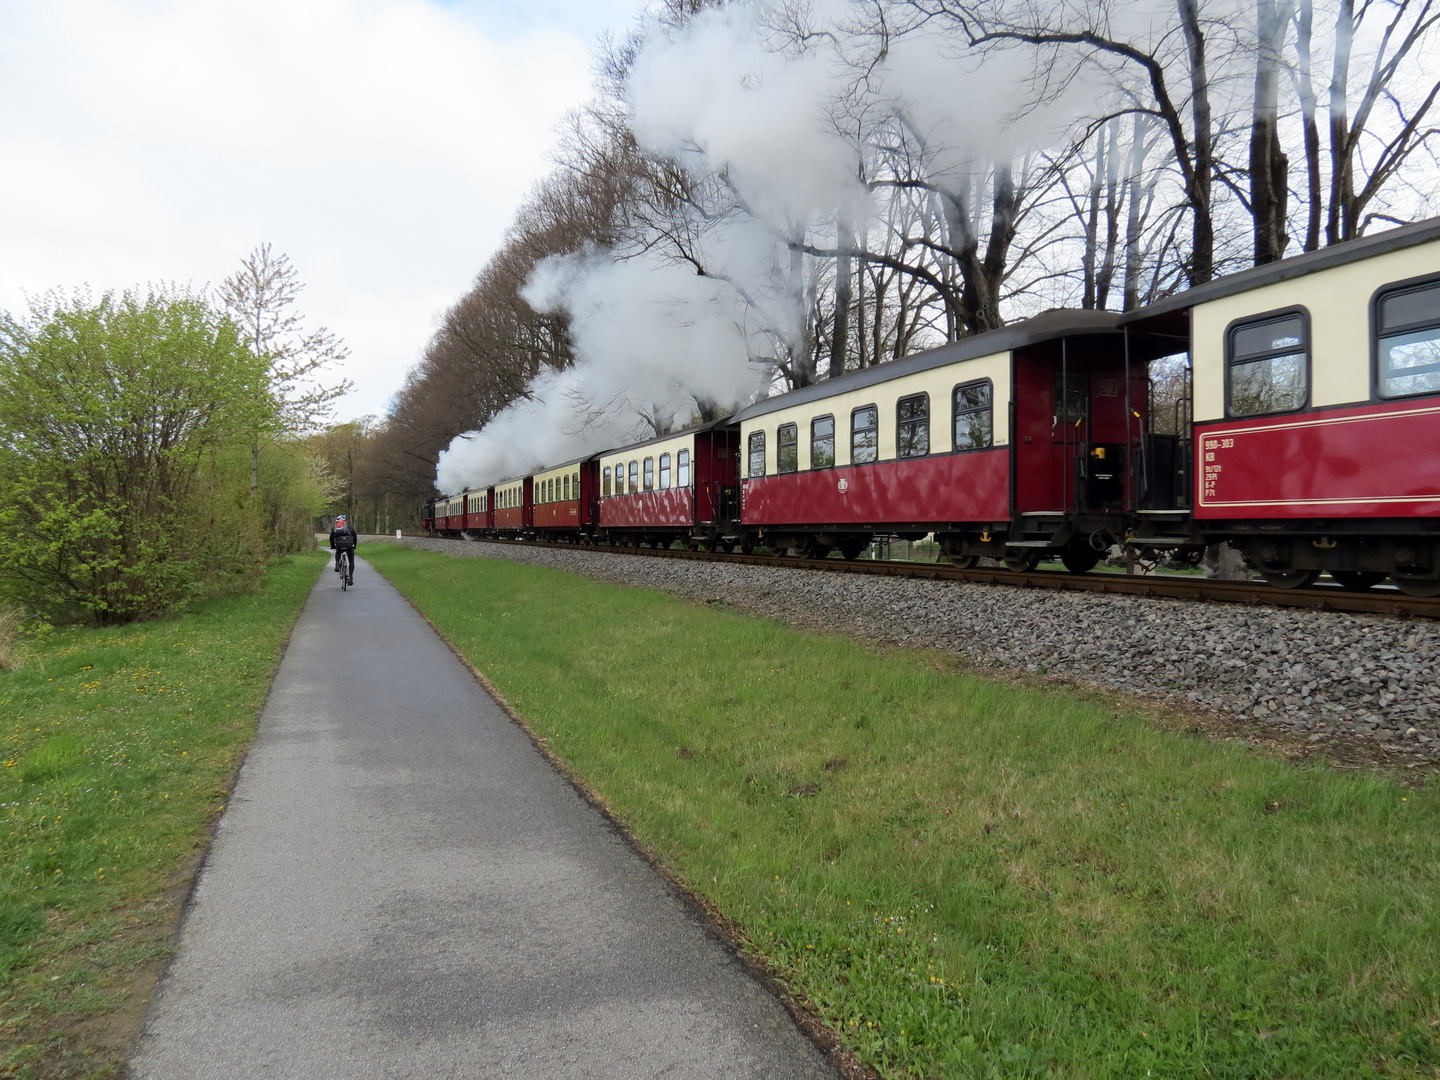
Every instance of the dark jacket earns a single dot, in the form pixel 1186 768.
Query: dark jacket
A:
pixel 344 538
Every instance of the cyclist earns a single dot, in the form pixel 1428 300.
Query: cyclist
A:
pixel 344 541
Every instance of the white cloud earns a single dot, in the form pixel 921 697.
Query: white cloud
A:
pixel 383 144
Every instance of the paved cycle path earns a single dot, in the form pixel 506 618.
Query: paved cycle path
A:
pixel 401 886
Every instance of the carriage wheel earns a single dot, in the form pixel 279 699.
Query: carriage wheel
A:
pixel 1022 564
pixel 1357 580
pixel 1414 586
pixel 1079 558
pixel 1290 579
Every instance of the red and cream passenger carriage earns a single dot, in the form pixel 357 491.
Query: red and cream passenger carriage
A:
pixel 1316 438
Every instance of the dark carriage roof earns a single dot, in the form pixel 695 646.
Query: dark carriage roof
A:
pixel 708 426
pixel 600 453
pixel 1365 247
pixel 1061 322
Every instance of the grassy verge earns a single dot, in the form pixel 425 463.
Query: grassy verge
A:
pixel 974 879
pixel 117 749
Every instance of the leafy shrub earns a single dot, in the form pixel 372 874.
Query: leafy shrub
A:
pixel 114 416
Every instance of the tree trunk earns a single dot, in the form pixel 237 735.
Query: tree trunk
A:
pixel 1225 563
pixel 1309 107
pixel 1134 218
pixel 981 277
pixel 1202 254
pixel 1090 256
pixel 840 332
pixel 1106 273
pixel 1269 167
pixel 1341 181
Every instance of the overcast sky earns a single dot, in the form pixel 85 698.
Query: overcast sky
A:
pixel 382 144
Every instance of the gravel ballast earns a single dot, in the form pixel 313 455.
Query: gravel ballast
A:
pixel 1319 675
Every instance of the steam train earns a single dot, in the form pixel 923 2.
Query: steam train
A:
pixel 1292 410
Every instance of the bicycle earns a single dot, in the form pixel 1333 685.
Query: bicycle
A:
pixel 346 572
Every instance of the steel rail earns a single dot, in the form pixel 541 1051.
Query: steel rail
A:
pixel 1152 586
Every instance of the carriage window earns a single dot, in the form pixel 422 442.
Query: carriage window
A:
pixel 605 483
pixel 787 448
pixel 864 435
pixel 1070 399
pixel 664 472
pixel 567 489
pixel 649 474
pixel 757 453
pixel 682 469
pixel 912 426
pixel 974 416
pixel 1408 352
pixel 822 442
pixel 1269 366
pixel 575 485
pixel 634 477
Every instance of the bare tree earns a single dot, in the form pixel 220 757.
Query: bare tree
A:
pixel 260 298
pixel 1402 36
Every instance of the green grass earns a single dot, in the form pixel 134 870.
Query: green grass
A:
pixel 118 745
pixel 969 878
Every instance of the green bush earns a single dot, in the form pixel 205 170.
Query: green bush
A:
pixel 116 422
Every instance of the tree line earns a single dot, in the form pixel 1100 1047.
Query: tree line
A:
pixel 1209 137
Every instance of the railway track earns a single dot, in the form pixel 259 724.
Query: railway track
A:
pixel 1380 601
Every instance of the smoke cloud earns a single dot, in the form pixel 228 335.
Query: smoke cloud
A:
pixel 651 340
pixel 780 135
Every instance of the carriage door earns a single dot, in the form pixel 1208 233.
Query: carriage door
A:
pixel 1069 433
pixel 1090 434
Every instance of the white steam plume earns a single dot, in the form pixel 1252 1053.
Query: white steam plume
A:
pixel 780 134
pixel 651 340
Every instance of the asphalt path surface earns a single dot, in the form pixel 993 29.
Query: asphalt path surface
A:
pixel 401 886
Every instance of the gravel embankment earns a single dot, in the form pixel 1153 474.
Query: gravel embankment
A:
pixel 1333 676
